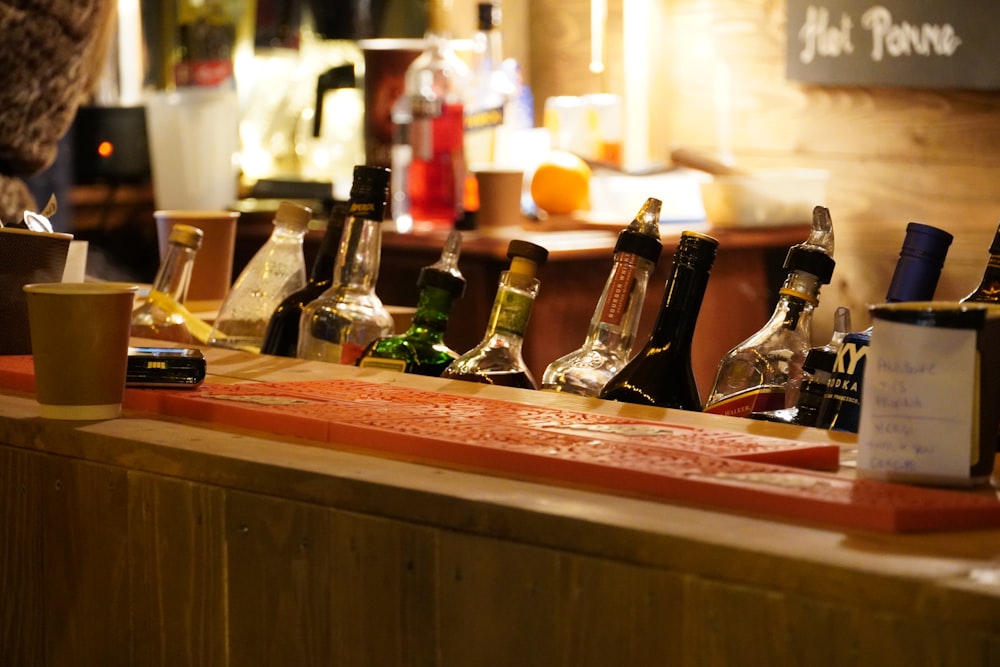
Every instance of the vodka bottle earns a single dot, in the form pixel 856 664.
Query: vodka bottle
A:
pixel 608 344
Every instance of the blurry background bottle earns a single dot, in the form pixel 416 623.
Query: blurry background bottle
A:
pixel 490 88
pixel 609 341
pixel 421 348
pixel 160 317
pixel 660 374
pixel 497 358
pixel 282 336
pixel 763 372
pixel 433 105
pixel 915 278
pixel 988 290
pixel 337 326
pixel 276 270
pixel 817 369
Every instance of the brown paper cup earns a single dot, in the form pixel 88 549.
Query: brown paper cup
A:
pixel 499 197
pixel 79 341
pixel 212 274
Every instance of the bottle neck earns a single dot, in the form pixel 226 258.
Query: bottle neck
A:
pixel 326 256
pixel 988 290
pixel 797 299
pixel 617 315
pixel 433 310
pixel 174 274
pixel 359 255
pixel 682 297
pixel 512 306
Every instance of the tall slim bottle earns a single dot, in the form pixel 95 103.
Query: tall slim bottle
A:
pixel 497 358
pixel 282 335
pixel 490 89
pixel 988 290
pixel 433 105
pixel 915 278
pixel 608 344
pixel 160 317
pixel 660 374
pixel 421 348
pixel 276 270
pixel 763 372
pixel 337 326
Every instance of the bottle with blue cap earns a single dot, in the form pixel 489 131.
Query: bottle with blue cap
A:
pixel 915 278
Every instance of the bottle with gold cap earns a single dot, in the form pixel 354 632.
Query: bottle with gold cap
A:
pixel 158 317
pixel 497 359
pixel 274 272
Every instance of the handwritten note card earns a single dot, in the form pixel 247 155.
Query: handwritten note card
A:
pixel 919 412
pixel 894 42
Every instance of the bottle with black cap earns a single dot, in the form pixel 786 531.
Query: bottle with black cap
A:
pixel 339 324
pixel 915 278
pixel 608 344
pixel 497 359
pixel 763 372
pixel 421 348
pixel 661 373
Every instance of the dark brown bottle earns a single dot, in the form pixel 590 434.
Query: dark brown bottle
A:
pixel 282 336
pixel 661 374
pixel 988 290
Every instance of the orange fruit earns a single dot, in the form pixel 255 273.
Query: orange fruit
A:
pixel 561 183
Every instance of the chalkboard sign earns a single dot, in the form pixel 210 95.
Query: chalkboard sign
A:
pixel 906 43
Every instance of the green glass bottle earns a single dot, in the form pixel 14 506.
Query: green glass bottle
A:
pixel 421 348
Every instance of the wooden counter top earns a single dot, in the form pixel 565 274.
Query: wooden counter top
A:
pixel 162 541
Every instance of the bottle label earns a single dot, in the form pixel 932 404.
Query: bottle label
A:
pixel 620 288
pixel 755 399
pixel 483 119
pixel 387 364
pixel 841 408
pixel 350 353
pixel 511 312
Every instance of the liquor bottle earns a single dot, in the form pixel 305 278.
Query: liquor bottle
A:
pixel 276 270
pixel 337 326
pixel 988 290
pixel 497 358
pixel 763 372
pixel 158 318
pixel 914 278
pixel 433 105
pixel 817 369
pixel 660 374
pixel 608 344
pixel 421 348
pixel 282 335
pixel 490 88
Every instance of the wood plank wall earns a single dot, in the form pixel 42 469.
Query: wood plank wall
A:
pixel 895 155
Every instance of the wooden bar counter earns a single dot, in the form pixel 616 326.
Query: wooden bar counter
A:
pixel 148 541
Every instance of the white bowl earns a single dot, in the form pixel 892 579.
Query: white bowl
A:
pixel 769 197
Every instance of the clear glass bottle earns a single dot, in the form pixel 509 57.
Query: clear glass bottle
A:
pixel 490 89
pixel 914 278
pixel 337 326
pixel 608 344
pixel 433 103
pixel 421 348
pixel 497 358
pixel 763 373
pixel 276 270
pixel 988 290
pixel 282 335
pixel 159 317
pixel 660 374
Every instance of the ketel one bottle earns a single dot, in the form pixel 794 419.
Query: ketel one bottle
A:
pixel 914 279
pixel 421 348
pixel 609 341
pixel 762 373
pixel 497 359
pixel 661 374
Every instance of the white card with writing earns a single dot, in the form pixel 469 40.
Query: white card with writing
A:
pixel 918 402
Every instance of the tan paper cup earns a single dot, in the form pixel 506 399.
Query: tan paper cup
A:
pixel 79 340
pixel 499 197
pixel 212 274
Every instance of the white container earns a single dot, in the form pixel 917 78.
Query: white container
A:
pixel 770 197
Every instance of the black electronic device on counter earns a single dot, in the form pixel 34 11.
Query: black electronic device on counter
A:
pixel 180 367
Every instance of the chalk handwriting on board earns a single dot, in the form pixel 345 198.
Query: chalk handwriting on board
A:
pixel 888 36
